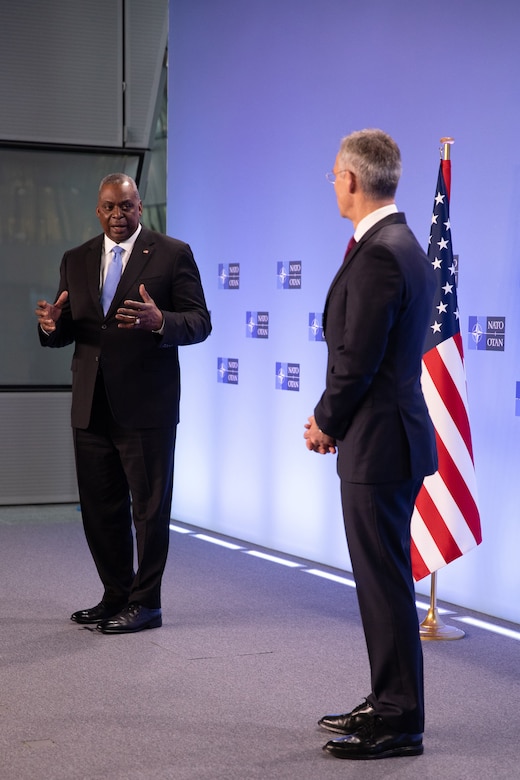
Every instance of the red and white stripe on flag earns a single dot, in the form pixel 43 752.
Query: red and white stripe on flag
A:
pixel 446 520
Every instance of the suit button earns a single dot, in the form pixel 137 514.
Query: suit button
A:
pixel 103 327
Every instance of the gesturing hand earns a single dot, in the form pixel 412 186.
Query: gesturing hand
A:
pixel 48 313
pixel 140 314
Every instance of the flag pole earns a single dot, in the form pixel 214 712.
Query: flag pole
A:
pixel 433 626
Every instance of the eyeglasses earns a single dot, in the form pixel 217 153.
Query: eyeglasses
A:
pixel 331 176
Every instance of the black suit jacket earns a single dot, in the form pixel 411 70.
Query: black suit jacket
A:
pixel 376 315
pixel 140 368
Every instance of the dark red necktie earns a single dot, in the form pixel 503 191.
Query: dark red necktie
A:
pixel 351 244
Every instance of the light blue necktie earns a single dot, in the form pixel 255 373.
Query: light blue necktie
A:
pixel 112 278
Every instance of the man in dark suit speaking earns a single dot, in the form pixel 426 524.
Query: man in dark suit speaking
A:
pixel 373 410
pixel 127 299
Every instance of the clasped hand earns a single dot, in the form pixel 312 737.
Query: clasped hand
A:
pixel 316 440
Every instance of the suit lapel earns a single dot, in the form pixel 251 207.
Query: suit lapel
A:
pixel 341 270
pixel 93 263
pixel 391 219
pixel 141 253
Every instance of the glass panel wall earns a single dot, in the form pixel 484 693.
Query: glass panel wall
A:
pixel 48 202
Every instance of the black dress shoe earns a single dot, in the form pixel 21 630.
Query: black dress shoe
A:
pixel 101 611
pixel 132 618
pixel 375 740
pixel 346 724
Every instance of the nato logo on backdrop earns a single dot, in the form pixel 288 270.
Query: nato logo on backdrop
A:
pixel 288 275
pixel 257 324
pixel 227 371
pixel 487 333
pixel 288 376
pixel 229 276
pixel 316 326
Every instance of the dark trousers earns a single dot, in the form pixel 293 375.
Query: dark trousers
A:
pixel 125 475
pixel 377 523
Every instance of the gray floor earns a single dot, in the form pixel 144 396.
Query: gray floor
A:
pixel 251 653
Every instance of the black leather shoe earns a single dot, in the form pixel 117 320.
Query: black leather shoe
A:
pixel 346 724
pixel 101 611
pixel 375 740
pixel 132 618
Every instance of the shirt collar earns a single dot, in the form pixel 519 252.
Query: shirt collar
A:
pixel 373 218
pixel 127 245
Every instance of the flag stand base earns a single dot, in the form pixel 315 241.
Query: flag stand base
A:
pixel 432 626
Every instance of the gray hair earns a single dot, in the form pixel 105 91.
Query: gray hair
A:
pixel 118 178
pixel 375 159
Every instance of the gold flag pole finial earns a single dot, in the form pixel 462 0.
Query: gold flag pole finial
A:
pixel 446 142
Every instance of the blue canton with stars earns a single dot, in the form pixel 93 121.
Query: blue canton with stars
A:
pixel 445 313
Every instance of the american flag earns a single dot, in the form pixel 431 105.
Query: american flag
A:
pixel 446 521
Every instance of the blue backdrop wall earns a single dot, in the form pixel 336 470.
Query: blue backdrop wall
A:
pixel 259 96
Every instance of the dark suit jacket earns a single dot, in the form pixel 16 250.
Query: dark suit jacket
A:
pixel 376 315
pixel 140 369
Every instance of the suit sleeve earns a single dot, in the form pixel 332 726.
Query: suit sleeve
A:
pixel 64 333
pixel 188 321
pixel 362 310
